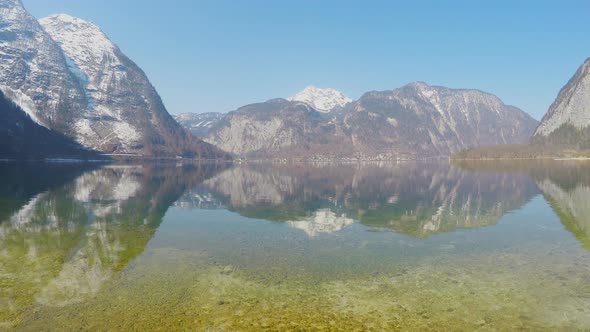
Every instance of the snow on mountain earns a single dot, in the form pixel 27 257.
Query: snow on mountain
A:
pixel 33 70
pixel 22 138
pixel 437 120
pixel 124 112
pixel 70 78
pixel 323 100
pixel 95 60
pixel 414 121
pixel 572 106
pixel 199 124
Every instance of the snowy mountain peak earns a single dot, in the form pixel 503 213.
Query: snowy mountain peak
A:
pixel 66 19
pixel 82 40
pixel 427 91
pixel 98 66
pixel 33 72
pixel 323 100
pixel 419 85
pixel 10 3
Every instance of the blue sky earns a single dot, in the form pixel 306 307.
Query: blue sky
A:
pixel 217 55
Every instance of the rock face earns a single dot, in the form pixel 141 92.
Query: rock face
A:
pixel 33 70
pixel 125 113
pixel 22 138
pixel 69 77
pixel 435 121
pixel 276 128
pixel 414 121
pixel 199 124
pixel 323 100
pixel 568 120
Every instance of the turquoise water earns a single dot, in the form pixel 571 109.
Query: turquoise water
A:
pixel 295 247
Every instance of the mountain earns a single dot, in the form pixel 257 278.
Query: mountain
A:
pixel 568 120
pixel 276 128
pixel 434 121
pixel 23 138
pixel 323 100
pixel 33 70
pixel 199 124
pixel 124 112
pixel 414 121
pixel 70 78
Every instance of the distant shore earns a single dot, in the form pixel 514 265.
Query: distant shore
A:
pixel 522 152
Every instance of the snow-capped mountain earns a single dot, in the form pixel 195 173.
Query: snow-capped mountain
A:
pixel 323 100
pixel 199 124
pixel 95 61
pixel 568 119
pixel 69 77
pixel 33 70
pixel 272 128
pixel 125 113
pixel 414 121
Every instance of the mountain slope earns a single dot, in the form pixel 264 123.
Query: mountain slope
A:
pixel 33 70
pixel 23 138
pixel 85 88
pixel 435 121
pixel 199 124
pixel 415 121
pixel 277 128
pixel 323 100
pixel 568 120
pixel 125 113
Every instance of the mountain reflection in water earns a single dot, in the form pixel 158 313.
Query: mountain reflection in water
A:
pixel 63 236
pixel 567 189
pixel 419 200
pixel 67 230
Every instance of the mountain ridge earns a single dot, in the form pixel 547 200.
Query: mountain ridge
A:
pixel 563 132
pixel 567 122
pixel 198 124
pixel 566 94
pixel 413 121
pixel 125 112
pixel 68 76
pixel 323 100
pixel 33 70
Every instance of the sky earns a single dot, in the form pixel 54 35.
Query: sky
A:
pixel 218 55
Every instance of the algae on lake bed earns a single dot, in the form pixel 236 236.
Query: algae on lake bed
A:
pixel 168 289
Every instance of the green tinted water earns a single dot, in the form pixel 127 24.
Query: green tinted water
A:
pixel 300 247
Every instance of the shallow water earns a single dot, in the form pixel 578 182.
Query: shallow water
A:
pixel 295 247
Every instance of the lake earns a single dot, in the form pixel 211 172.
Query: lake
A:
pixel 410 246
